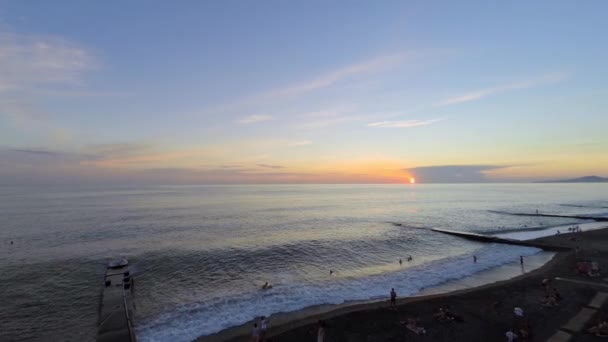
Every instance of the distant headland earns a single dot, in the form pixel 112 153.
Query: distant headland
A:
pixel 586 179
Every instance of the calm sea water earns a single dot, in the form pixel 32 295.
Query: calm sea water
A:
pixel 200 253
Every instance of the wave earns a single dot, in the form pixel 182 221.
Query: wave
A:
pixel 213 314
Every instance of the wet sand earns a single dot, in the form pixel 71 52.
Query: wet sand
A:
pixel 487 310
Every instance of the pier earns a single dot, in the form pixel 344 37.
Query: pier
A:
pixel 116 306
pixel 578 217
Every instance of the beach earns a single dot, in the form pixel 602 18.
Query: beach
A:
pixel 486 311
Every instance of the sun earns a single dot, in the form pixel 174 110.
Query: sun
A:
pixel 412 180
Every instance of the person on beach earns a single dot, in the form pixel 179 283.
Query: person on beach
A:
pixel 556 294
pixel 545 284
pixel 393 298
pixel 263 328
pixel 412 325
pixel 511 336
pixel 321 331
pixel 518 311
pixel 549 301
pixel 255 333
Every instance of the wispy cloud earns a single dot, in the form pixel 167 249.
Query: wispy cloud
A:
pixel 298 143
pixel 118 149
pixel 376 64
pixel 36 152
pixel 268 166
pixel 29 61
pixel 35 64
pixel 402 124
pixel 251 119
pixel 479 94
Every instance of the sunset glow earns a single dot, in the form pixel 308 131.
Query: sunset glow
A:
pixel 238 102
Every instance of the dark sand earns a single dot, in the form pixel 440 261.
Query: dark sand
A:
pixel 487 311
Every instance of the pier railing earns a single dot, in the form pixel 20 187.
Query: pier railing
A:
pixel 129 324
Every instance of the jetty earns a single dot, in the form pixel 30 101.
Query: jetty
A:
pixel 578 217
pixel 116 305
pixel 495 239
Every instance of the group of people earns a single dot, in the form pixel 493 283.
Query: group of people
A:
pixel 600 329
pixel 445 315
pixel 259 333
pixel 524 334
pixel 575 229
pixel 552 297
pixel 589 268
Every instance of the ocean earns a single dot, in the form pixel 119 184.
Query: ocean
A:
pixel 201 253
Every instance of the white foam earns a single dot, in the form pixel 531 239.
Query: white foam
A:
pixel 534 234
pixel 214 314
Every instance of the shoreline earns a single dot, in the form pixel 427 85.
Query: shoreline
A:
pixel 285 321
pixel 292 322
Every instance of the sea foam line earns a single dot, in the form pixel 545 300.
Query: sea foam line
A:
pixel 215 314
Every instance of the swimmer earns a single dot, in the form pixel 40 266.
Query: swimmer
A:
pixel 409 258
pixel 331 272
pixel 266 286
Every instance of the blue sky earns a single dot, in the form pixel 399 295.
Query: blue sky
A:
pixel 273 91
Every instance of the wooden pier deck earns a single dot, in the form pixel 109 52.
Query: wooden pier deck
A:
pixel 115 310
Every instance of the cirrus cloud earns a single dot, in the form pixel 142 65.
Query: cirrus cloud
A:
pixel 402 124
pixel 27 61
pixel 251 119
pixel 479 94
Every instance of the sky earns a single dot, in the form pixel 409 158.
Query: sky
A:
pixel 214 92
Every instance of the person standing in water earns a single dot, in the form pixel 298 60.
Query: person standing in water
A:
pixel 521 260
pixel 475 258
pixel 400 262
